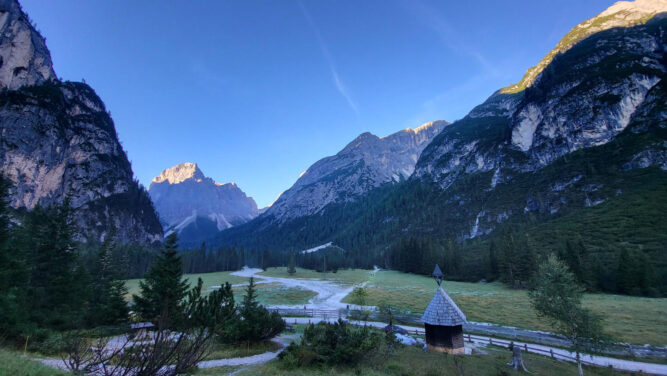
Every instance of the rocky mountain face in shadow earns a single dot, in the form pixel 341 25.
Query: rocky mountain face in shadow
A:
pixel 58 141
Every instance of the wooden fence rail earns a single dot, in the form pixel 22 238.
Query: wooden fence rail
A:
pixel 296 312
pixel 525 347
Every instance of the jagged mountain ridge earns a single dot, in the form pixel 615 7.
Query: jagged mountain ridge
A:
pixel 196 206
pixel 580 154
pixel 585 98
pixel 367 164
pixel 620 14
pixel 364 164
pixel 58 141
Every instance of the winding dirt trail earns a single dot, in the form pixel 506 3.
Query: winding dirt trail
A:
pixel 329 294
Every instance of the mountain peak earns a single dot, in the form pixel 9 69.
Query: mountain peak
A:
pixel 636 8
pixel 24 57
pixel 180 173
pixel 620 14
pixel 197 206
pixel 429 125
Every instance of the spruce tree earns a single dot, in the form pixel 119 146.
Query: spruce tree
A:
pixel 163 289
pixel 493 261
pixel 255 323
pixel 56 287
pixel 13 273
pixel 108 305
pixel 625 277
pixel 291 269
pixel 5 255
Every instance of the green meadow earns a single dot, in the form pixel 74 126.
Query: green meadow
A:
pixel 630 319
pixel 410 361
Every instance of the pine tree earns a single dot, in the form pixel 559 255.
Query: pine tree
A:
pixel 526 261
pixel 493 261
pixel 291 269
pixel 625 277
pixel 13 273
pixel 56 287
pixel 508 268
pixel 108 305
pixel 163 288
pixel 255 323
pixel 4 237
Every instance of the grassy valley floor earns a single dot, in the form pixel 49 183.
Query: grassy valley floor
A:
pixel 481 302
pixel 267 293
pixel 497 304
pixel 407 361
pixel 13 363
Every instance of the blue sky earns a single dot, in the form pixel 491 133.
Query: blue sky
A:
pixel 257 91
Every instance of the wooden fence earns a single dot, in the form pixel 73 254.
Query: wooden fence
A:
pixel 306 312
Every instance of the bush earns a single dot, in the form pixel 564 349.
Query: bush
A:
pixel 253 323
pixel 47 342
pixel 335 344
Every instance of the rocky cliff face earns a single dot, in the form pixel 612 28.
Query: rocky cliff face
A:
pixel 364 164
pixel 610 84
pixel 196 206
pixel 58 141
pixel 24 58
pixel 621 14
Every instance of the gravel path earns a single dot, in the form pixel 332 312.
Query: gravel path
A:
pixel 329 294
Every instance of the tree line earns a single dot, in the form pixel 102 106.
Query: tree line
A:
pixel 52 286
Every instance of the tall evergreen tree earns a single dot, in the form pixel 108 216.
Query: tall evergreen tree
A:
pixel 291 269
pixel 56 286
pixel 163 289
pixel 625 277
pixel 13 274
pixel 493 261
pixel 108 305
pixel 255 323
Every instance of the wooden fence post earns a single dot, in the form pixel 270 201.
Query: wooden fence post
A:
pixel 525 347
pixel 552 352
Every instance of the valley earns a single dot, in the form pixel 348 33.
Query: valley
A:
pixel 409 294
pixel 527 234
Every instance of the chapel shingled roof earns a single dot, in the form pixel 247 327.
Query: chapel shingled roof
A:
pixel 443 311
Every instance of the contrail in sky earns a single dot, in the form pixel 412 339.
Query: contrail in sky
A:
pixel 340 86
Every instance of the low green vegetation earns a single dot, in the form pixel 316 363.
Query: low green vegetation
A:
pixel 217 371
pixel 226 351
pixel 498 304
pixel 339 343
pixel 271 294
pixel 343 276
pixel 411 361
pixel 209 280
pixel 253 322
pixel 14 363
pixel 267 294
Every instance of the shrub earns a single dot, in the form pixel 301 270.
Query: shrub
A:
pixel 253 323
pixel 335 344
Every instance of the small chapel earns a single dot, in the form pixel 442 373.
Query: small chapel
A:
pixel 443 321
